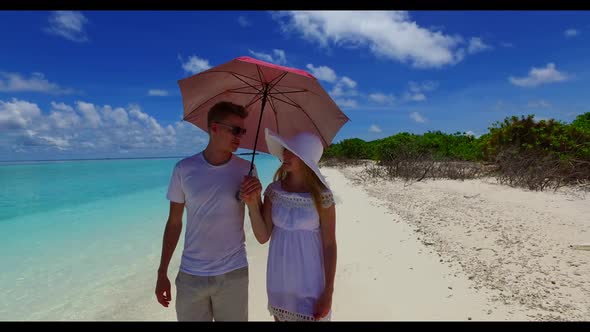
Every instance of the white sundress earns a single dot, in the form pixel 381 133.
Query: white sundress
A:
pixel 295 270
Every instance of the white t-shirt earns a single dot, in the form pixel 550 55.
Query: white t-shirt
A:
pixel 214 241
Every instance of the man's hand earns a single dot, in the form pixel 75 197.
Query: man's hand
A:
pixel 250 190
pixel 163 290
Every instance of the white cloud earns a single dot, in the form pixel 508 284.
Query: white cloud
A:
pixel 476 45
pixel 499 106
pixel 91 128
pixel 27 140
pixel 418 96
pixel 68 24
pixel 17 114
pixel 381 98
pixel 63 116
pixel 416 91
pixel 323 73
pixel 279 57
pixel 569 33
pixel 417 117
pixel 15 82
pixel 91 116
pixel 348 82
pixel 389 34
pixel 117 116
pixel 138 114
pixel 243 21
pixel 158 93
pixel 470 133
pixel 344 87
pixel 538 76
pixel 375 129
pixel 346 103
pixel 538 104
pixel 194 64
pixel 149 122
pixel 59 142
pixel 61 107
pixel 425 86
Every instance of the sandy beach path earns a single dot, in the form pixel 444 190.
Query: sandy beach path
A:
pixel 511 245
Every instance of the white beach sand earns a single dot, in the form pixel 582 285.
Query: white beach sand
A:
pixel 505 252
pixel 434 250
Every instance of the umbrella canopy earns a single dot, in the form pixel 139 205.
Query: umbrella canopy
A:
pixel 285 100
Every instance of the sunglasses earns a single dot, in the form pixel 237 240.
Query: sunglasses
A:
pixel 235 130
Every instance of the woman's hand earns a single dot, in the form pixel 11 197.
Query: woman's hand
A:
pixel 323 306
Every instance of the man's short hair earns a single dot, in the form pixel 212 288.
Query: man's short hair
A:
pixel 222 110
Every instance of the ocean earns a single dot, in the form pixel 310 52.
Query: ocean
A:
pixel 79 240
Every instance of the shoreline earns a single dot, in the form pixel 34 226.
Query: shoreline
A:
pixel 439 250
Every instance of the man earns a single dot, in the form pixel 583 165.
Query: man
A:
pixel 212 283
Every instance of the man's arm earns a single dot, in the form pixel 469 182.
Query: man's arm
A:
pixel 170 240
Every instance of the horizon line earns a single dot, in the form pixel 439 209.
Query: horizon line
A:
pixel 108 158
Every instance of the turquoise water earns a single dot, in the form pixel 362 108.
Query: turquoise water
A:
pixel 81 240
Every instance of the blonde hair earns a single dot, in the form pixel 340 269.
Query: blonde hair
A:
pixel 311 181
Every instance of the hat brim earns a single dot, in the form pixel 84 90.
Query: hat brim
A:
pixel 276 144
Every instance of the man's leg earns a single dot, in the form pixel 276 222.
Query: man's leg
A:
pixel 193 299
pixel 230 299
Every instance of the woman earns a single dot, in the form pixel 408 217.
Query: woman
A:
pixel 298 216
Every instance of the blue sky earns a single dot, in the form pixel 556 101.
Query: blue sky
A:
pixel 97 84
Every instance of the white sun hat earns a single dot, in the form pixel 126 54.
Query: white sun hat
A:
pixel 307 146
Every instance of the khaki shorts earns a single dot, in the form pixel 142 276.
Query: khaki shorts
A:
pixel 221 298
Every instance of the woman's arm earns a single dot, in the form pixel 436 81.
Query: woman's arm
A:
pixel 261 219
pixel 267 213
pixel 328 230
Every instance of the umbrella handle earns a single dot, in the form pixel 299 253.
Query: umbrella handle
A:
pixel 264 96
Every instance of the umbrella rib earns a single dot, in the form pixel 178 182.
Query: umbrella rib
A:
pixel 272 83
pixel 231 72
pixel 280 93
pixel 203 103
pixel 286 92
pixel 272 106
pixel 250 85
pixel 286 102
pixel 236 75
pixel 278 78
pixel 244 93
pixel 260 76
pixel 304 112
pixel 241 88
pixel 252 101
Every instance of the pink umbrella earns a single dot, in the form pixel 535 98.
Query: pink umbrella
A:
pixel 296 100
